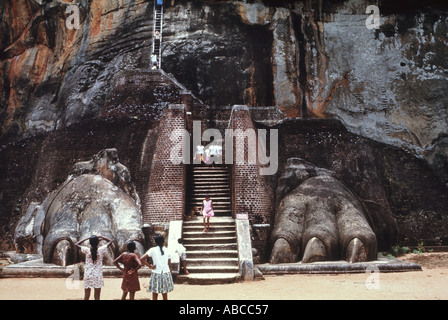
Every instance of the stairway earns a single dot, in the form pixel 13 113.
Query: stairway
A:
pixel 214 182
pixel 212 257
pixel 157 34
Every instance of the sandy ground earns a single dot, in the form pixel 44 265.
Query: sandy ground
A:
pixel 429 284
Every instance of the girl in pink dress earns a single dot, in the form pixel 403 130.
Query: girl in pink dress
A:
pixel 207 212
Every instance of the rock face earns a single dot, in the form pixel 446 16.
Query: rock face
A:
pixel 309 58
pixel 98 198
pixel 320 219
pixel 61 88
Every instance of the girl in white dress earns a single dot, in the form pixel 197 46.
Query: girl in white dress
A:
pixel 93 267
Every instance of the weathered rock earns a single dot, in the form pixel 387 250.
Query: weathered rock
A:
pixel 320 219
pixel 309 58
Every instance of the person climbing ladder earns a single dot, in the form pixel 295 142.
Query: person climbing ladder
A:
pixel 157 36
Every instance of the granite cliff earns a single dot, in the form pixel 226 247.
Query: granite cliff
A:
pixel 310 59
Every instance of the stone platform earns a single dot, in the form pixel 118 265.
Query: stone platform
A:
pixel 383 264
pixel 37 268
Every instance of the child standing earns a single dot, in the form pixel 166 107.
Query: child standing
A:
pixel 207 212
pixel 182 252
pixel 93 268
pixel 161 276
pixel 131 264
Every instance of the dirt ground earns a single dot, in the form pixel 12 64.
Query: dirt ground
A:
pixel 429 284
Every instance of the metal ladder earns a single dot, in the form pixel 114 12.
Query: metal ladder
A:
pixel 157 34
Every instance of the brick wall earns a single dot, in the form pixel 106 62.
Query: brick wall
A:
pixel 251 192
pixel 165 197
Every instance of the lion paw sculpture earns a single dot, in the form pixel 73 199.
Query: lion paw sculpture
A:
pixel 319 219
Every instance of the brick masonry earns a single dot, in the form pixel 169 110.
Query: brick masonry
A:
pixel 164 199
pixel 251 192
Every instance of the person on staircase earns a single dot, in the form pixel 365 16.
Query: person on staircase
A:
pixel 182 252
pixel 207 212
pixel 199 154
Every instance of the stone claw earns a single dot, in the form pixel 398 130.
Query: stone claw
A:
pixel 64 253
pixel 314 251
pixel 281 252
pixel 356 251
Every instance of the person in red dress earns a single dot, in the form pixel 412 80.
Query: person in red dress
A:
pixel 131 263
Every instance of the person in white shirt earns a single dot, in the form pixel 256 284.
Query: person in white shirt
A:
pixel 182 252
pixel 161 276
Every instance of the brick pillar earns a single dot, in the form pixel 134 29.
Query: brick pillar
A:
pixel 251 192
pixel 165 198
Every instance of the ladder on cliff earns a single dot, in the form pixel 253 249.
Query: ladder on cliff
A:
pixel 157 33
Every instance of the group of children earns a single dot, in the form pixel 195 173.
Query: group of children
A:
pixel 161 281
pixel 209 155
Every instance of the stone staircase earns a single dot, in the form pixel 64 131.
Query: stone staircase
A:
pixel 214 182
pixel 212 257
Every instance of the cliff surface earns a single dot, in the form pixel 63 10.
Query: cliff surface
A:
pixel 311 59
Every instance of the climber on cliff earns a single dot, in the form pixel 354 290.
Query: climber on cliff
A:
pixel 154 63
pixel 159 4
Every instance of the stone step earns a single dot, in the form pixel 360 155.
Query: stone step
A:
pixel 211 187
pixel 211 174
pixel 208 278
pixel 220 205
pixel 213 269
pixel 217 168
pixel 212 253
pixel 201 174
pixel 217 205
pixel 216 180
pixel 213 228
pixel 213 197
pixel 209 183
pixel 210 240
pixel 216 222
pixel 210 247
pixel 201 193
pixel 216 201
pixel 209 262
pixel 215 234
pixel 219 213
pixel 223 206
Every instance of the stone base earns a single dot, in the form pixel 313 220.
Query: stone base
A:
pixel 383 264
pixel 39 269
